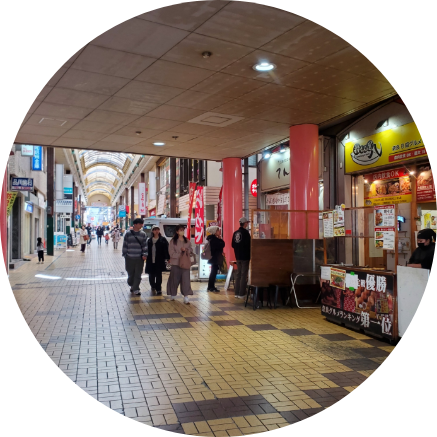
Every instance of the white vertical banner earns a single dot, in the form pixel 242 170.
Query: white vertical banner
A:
pixel 142 198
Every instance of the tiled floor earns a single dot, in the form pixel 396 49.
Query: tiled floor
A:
pixel 210 368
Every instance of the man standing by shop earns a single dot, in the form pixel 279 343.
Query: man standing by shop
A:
pixel 241 245
pixel 135 253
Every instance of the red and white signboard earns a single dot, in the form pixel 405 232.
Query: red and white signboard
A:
pixel 254 188
pixel 200 219
pixel 142 198
pixel 190 208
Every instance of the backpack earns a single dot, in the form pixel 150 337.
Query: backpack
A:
pixel 206 253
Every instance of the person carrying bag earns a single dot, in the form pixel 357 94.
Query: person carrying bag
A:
pixel 180 257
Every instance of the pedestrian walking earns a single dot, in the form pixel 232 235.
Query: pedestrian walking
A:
pixel 83 238
pixel 216 246
pixel 40 250
pixel 241 246
pixel 135 253
pixel 179 245
pixel 157 249
pixel 115 234
pixel 89 229
pixel 99 234
pixel 106 237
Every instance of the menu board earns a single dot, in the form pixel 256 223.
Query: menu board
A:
pixel 384 221
pixel 384 216
pixel 367 303
pixel 385 238
pixel 387 187
pixel 328 225
pixel 425 188
pixel 338 278
pixel 339 221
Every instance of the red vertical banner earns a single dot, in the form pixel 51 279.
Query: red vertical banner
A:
pixel 190 208
pixel 219 209
pixel 200 216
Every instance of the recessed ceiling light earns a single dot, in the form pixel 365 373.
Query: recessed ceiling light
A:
pixel 159 144
pixel 264 66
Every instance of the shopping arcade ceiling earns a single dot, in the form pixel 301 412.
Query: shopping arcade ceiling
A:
pixel 148 75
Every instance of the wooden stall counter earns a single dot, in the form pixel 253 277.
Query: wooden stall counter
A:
pixel 361 298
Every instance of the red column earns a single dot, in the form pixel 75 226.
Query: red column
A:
pixel 4 218
pixel 232 202
pixel 304 183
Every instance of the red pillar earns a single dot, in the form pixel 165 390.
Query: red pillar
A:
pixel 4 218
pixel 304 179
pixel 232 202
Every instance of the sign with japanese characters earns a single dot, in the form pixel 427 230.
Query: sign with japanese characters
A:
pixel 22 184
pixel 339 221
pixel 384 216
pixel 200 217
pixel 275 171
pixel 385 238
pixel 142 198
pixel 366 303
pixel 37 158
pixel 190 208
pixel 27 150
pixel 11 199
pixel 401 143
pixel 388 187
pixel 338 278
pixel 425 187
pixel 254 188
pixel 328 225
pixel 278 199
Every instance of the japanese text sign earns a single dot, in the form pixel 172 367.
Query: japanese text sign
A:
pixel 142 198
pixel 22 184
pixel 425 187
pixel 254 188
pixel 200 219
pixel 190 208
pixel 37 158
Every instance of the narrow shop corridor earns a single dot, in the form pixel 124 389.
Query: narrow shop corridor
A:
pixel 211 368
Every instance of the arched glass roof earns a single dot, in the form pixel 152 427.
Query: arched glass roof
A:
pixel 103 170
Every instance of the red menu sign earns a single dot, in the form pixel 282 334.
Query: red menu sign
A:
pixel 425 187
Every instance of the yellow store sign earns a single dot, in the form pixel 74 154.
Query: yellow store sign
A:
pixel 390 147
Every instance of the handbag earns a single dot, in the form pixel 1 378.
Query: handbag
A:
pixel 224 266
pixel 184 261
pixel 193 259
pixel 86 238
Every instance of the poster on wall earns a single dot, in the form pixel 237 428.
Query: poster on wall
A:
pixel 387 187
pixel 328 225
pixel 385 238
pixel 428 219
pixel 384 216
pixel 366 304
pixel 338 213
pixel 425 187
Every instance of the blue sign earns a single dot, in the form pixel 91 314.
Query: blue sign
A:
pixel 28 206
pixel 122 214
pixel 22 184
pixel 37 158
pixel 78 217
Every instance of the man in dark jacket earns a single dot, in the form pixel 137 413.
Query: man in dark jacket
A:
pixel 241 245
pixel 217 245
pixel 157 249
pixel 423 256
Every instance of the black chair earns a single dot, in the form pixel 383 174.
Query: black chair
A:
pixel 257 291
pixel 275 288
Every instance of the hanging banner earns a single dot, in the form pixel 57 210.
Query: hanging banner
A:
pixel 200 219
pixel 425 187
pixel 219 209
pixel 388 187
pixel 401 143
pixel 142 199
pixel 254 188
pixel 11 196
pixel 278 199
pixel 190 208
pixel 37 158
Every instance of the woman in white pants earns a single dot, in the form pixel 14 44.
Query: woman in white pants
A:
pixel 179 244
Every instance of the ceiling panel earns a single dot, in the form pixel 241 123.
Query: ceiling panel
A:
pixel 111 62
pixel 141 37
pixel 175 75
pixel 242 108
pixel 131 131
pixel 73 142
pixel 123 139
pixel 189 52
pixel 77 98
pixel 229 133
pixel 316 78
pixel 148 92
pixel 196 100
pixel 129 106
pixel 94 126
pixel 252 26
pixel 106 145
pixel 110 117
pixel 147 122
pixel 62 111
pixel 42 130
pixel 40 120
pixel 43 94
pixel 227 85
pixel 86 81
pixel 207 141
pixel 84 135
pixel 169 137
pixel 307 42
pixel 34 139
pixel 268 127
pixel 175 113
pixel 186 16
pixel 192 128
pixel 56 77
pixel 284 66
